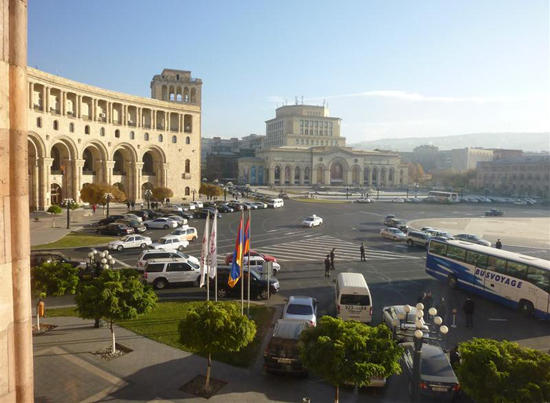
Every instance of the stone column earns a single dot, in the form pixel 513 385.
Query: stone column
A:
pixel 78 106
pixel 302 176
pixel 31 85
pixel 47 99
pixel 271 176
pixel 313 176
pixel 35 184
pixel 164 169
pixel 63 102
pixel 362 177
pixel 386 177
pixel 327 177
pixel 153 120
pixel 16 350
pixel 369 176
pixel 77 179
pixel 108 170
pixel 348 177
pixel 45 171
pixel 138 117
pixel 138 166
pixel 125 115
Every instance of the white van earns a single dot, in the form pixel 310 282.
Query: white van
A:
pixel 353 299
pixel 275 203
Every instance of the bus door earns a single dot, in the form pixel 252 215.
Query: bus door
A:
pixel 493 286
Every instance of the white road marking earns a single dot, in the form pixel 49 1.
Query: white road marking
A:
pixel 122 263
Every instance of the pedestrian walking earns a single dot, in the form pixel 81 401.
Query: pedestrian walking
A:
pixel 428 301
pixel 362 249
pixel 332 258
pixel 442 308
pixel 498 245
pixel 133 204
pixel 454 356
pixel 94 208
pixel 327 266
pixel 128 204
pixel 469 308
pixel 141 205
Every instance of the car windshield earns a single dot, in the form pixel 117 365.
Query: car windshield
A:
pixel 309 219
pixel 437 365
pixel 162 241
pixel 299 309
pixel 193 265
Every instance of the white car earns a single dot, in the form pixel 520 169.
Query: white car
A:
pixel 260 204
pixel 188 206
pixel 393 233
pixel 173 207
pixel 180 220
pixel 400 323
pixel 160 223
pixel 149 254
pixel 398 200
pixel 364 200
pixel 169 242
pixel 130 241
pixel 186 233
pixel 162 272
pixel 312 221
pixel 301 308
pixel 257 262
pixel 197 204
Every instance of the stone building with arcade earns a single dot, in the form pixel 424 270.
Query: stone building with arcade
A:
pixel 303 147
pixel 80 134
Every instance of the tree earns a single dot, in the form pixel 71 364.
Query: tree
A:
pixel 349 352
pixel 113 296
pixel 210 190
pixel 54 210
pixel 215 327
pixel 53 279
pixel 94 193
pixel 161 193
pixel 504 372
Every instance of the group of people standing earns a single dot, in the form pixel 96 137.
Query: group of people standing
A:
pixel 468 307
pixel 329 263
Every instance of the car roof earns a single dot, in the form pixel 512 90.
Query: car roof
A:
pixel 168 260
pixel 300 299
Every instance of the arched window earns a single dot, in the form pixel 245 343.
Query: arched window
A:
pixel 146 137
pixel 174 139
pixel 102 131
pixel 38 122
pixel 87 129
pixel 187 191
pixel 132 135
pixel 71 127
pixel 187 166
pixel 160 138
pixel 117 133
pixel 55 125
pixel 188 140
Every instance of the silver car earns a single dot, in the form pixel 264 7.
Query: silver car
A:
pixel 473 239
pixel 301 308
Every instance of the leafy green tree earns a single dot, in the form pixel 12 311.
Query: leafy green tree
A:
pixel 54 210
pixel 210 190
pixel 492 371
pixel 349 352
pixel 94 193
pixel 162 193
pixel 215 327
pixel 113 296
pixel 53 279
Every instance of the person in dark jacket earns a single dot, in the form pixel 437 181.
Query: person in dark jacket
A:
pixel 498 245
pixel 362 249
pixel 133 204
pixel 454 356
pixel 327 266
pixel 469 308
pixel 332 258
pixel 442 308
pixel 421 298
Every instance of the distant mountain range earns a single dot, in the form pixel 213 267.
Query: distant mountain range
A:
pixel 523 141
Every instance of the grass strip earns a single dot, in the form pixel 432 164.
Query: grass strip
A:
pixel 76 240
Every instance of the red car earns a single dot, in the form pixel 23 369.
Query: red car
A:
pixel 268 258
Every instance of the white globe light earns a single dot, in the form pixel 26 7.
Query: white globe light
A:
pixel 419 313
pixel 90 254
pixel 106 253
pixel 419 323
pixel 407 308
pixel 420 306
pixel 105 267
pixel 418 334
pixel 444 329
pixel 102 254
pixel 95 252
pixel 433 311
pixel 103 261
pixel 438 321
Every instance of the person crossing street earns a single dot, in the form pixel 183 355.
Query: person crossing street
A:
pixel 362 249
pixel 332 258
pixel 327 266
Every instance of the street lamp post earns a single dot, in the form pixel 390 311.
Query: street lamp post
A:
pixel 68 202
pixel 225 193
pixel 148 195
pixel 407 192
pixel 108 197
pixel 100 261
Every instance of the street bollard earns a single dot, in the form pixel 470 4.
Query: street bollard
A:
pixel 454 318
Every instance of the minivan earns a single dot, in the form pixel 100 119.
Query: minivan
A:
pixel 352 297
pixel 275 203
pixel 418 238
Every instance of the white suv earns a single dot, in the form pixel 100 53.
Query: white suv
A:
pixel 162 272
pixel 257 262
pixel 151 254
pixel 170 242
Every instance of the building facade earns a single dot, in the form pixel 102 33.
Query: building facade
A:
pixel 464 159
pixel 516 175
pixel 80 134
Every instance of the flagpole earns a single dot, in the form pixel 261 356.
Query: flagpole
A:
pixel 249 275
pixel 207 256
pixel 241 252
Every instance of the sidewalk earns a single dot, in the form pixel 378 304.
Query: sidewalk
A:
pixel 65 371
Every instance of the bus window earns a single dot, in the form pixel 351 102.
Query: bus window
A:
pixel 498 265
pixel 438 248
pixel 476 258
pixel 456 253
pixel 516 270
pixel 539 277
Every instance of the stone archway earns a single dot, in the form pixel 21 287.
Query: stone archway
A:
pixel 63 156
pixel 336 174
pixel 56 194
pixel 123 170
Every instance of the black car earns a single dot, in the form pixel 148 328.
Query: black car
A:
pixel 224 208
pixel 152 214
pixel 144 215
pixel 395 223
pixel 39 257
pixel 236 206
pixel 437 378
pixel 258 284
pixel 115 229
pixel 203 213
pixel 183 214
pixel 494 213
pixel 110 219
pixel 282 354
pixel 138 227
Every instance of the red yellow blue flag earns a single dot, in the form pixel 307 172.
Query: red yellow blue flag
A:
pixel 237 264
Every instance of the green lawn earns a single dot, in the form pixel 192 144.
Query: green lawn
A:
pixel 75 240
pixel 162 325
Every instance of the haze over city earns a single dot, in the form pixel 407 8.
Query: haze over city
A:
pixel 399 69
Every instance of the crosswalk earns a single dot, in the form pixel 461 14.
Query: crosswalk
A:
pixel 317 248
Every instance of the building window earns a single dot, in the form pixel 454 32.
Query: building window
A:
pixel 160 138
pixel 38 122
pixel 301 123
pixel 117 133
pixel 102 131
pixel 87 129
pixel 188 140
pixel 71 127
pixel 187 191
pixel 55 125
pixel 174 139
pixel 301 131
pixel 146 137
pixel 187 166
pixel 307 123
pixel 132 135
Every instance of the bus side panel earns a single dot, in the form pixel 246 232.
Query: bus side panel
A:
pixel 442 268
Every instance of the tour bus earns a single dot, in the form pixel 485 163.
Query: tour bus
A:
pixel 443 197
pixel 511 279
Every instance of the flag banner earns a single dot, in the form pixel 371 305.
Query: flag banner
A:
pixel 246 239
pixel 213 270
pixel 204 252
pixel 237 264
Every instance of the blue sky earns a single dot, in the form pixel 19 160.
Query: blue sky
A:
pixel 387 68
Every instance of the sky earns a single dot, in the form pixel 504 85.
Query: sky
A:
pixel 388 69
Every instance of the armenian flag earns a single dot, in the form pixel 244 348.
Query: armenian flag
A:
pixel 237 264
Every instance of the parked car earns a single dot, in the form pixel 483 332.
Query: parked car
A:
pixel 204 212
pixel 284 196
pixel 435 233
pixel 418 238
pixel 186 233
pixel 39 256
pixel 257 263
pixel 388 218
pixel 396 223
pixel 267 258
pixel 251 206
pixel 258 284
pixel 398 200
pixel 136 225
pixel 364 200
pixel 115 229
pixel 144 215
pixel 237 206
pixel 134 217
pixel 437 378
pixel 494 213
pixel 401 324
pixel 302 309
pixel 312 221
pixel 111 219
pixel 160 223
pixel 473 239
pixel 149 254
pixel 130 241
pixel 180 220
pixel 169 242
pixel 198 204
pixel 282 354
pixel 183 214
pixel 224 208
pixel 393 233
pixel 260 205
pixel 163 272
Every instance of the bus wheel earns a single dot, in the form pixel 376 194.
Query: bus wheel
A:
pixel 453 282
pixel 526 307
